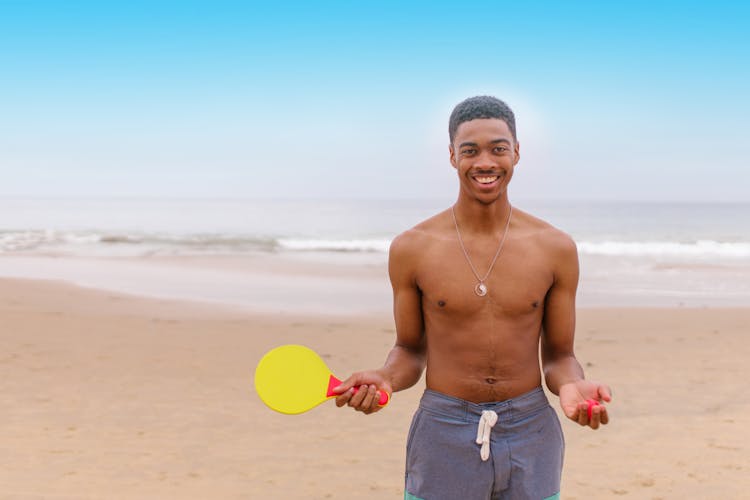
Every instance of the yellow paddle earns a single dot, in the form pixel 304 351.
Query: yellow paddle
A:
pixel 293 379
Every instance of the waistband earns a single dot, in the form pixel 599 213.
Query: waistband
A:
pixel 507 411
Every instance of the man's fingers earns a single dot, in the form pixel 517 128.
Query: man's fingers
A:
pixel 356 400
pixel 604 417
pixel 347 384
pixel 367 402
pixel 583 417
pixel 342 399
pixel 596 412
pixel 605 393
pixel 573 414
pixel 370 411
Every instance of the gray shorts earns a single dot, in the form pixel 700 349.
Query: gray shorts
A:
pixel 523 454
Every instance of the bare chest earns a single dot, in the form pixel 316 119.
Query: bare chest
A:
pixel 515 287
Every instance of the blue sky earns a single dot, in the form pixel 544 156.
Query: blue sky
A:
pixel 634 101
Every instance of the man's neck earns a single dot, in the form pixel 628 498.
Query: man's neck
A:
pixel 476 217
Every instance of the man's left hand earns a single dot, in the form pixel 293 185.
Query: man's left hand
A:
pixel 576 397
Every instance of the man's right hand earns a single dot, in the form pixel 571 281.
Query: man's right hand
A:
pixel 366 398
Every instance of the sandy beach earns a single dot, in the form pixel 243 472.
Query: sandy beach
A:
pixel 185 186
pixel 107 395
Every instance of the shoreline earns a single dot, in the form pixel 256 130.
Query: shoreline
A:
pixel 353 284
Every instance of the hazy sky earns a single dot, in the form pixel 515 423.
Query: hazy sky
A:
pixel 633 101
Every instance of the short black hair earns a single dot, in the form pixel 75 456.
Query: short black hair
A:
pixel 483 106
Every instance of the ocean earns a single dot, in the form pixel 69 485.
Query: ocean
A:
pixel 671 254
pixel 684 232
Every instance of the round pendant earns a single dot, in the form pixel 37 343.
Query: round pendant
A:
pixel 480 289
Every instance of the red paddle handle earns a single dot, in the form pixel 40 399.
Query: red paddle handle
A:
pixel 383 397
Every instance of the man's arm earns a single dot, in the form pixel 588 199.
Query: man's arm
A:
pixel 405 362
pixel 562 372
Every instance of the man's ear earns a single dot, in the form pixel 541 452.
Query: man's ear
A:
pixel 517 151
pixel 452 155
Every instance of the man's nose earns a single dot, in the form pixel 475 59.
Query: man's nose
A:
pixel 484 160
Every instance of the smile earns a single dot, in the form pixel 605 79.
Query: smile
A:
pixel 486 180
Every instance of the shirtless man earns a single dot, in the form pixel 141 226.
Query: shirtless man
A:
pixel 484 428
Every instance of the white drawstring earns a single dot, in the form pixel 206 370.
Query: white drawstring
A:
pixel 486 423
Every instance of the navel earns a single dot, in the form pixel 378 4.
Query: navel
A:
pixel 491 380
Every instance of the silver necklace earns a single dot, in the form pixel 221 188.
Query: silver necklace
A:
pixel 481 288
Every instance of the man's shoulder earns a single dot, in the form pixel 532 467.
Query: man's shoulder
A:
pixel 544 233
pixel 422 234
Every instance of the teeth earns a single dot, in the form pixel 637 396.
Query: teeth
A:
pixel 486 180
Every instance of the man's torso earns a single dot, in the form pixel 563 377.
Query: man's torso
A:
pixel 483 348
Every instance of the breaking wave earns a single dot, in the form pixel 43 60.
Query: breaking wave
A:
pixel 133 243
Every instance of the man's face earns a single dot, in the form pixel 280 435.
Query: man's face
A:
pixel 484 154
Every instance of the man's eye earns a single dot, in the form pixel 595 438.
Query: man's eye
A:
pixel 468 151
pixel 501 149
